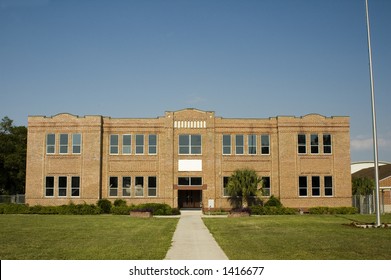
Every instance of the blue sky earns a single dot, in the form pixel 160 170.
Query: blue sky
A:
pixel 239 58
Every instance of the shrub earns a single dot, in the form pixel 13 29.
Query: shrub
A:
pixel 273 201
pixel 14 209
pixel 121 210
pixel 105 205
pixel 119 202
pixel 241 210
pixel 157 209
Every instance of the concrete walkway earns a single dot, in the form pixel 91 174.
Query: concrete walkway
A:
pixel 193 241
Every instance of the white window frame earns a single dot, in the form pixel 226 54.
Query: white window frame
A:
pixel 111 145
pixel 328 145
pixel 128 146
pixel 64 136
pixel 50 145
pixel 227 146
pixel 239 146
pixel 152 146
pixel 253 144
pixel 301 144
pixel 265 146
pixel 74 145
pixel 138 136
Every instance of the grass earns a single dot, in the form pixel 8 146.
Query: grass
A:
pixel 301 237
pixel 102 237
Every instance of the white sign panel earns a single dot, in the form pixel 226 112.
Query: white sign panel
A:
pixel 190 165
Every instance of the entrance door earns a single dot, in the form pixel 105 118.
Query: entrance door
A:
pixel 189 198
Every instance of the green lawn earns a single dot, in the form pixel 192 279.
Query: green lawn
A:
pixel 103 237
pixel 301 237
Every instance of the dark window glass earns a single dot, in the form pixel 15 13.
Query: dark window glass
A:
pixel 75 186
pixel 113 187
pixel 328 186
pixel 49 186
pixel 301 144
pixel 315 186
pixel 302 186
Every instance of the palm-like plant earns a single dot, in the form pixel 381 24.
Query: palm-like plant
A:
pixel 244 183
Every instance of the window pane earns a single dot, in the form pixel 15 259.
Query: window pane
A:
pixel 126 144
pixel 302 186
pixel 266 186
pixel 328 185
pixel 195 144
pixel 49 186
pixel 152 186
pixel 139 144
pixel 265 144
pixel 62 186
pixel 139 186
pixel 76 143
pixel 226 144
pixel 314 144
pixel 184 140
pixel 239 145
pixel 50 143
pixel 196 181
pixel 183 181
pixel 327 143
pixel 113 144
pixel 315 186
pixel 113 187
pixel 252 144
pixel 126 186
pixel 301 144
pixel 152 144
pixel 75 186
pixel 63 143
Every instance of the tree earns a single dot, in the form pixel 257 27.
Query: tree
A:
pixel 362 186
pixel 244 183
pixel 13 147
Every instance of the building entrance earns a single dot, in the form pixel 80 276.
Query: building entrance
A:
pixel 189 198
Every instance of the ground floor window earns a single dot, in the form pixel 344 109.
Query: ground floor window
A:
pixel 75 186
pixel 303 186
pixel 266 186
pixel 319 186
pixel 62 186
pixel 315 186
pixel 152 186
pixel 139 186
pixel 328 185
pixel 126 186
pixel 113 186
pixel 225 186
pixel 189 181
pixel 49 186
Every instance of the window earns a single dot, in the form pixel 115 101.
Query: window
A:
pixel 114 144
pixel 226 144
pixel 266 186
pixel 301 144
pixel 190 144
pixel 139 144
pixel 225 186
pixel 113 186
pixel 152 144
pixel 327 144
pixel 139 186
pixel 50 143
pixel 315 186
pixel 239 145
pixel 152 186
pixel 62 186
pixel 314 144
pixel 63 143
pixel 328 186
pixel 303 186
pixel 75 186
pixel 189 181
pixel 76 143
pixel 265 144
pixel 252 144
pixel 49 186
pixel 126 185
pixel 126 144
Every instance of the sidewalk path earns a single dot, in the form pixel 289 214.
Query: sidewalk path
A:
pixel 193 241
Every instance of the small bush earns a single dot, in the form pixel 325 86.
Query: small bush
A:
pixel 157 209
pixel 241 210
pixel 273 201
pixel 121 210
pixel 14 209
pixel 105 205
pixel 119 202
pixel 272 210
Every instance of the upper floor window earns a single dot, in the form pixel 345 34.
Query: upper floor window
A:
pixel 265 144
pixel 239 144
pixel 190 144
pixel 63 143
pixel 152 144
pixel 139 144
pixel 327 144
pixel 126 144
pixel 76 143
pixel 50 143
pixel 301 144
pixel 114 144
pixel 314 144
pixel 226 144
pixel 252 144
